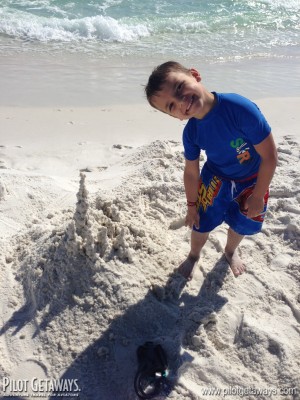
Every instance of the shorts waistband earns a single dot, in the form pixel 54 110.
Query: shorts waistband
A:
pixel 248 178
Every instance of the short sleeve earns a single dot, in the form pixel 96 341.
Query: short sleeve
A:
pixel 253 123
pixel 191 149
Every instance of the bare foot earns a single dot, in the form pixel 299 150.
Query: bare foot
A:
pixel 186 268
pixel 236 264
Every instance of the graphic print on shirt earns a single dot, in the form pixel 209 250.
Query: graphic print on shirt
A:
pixel 241 200
pixel 207 194
pixel 242 149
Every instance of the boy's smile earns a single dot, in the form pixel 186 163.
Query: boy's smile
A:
pixel 183 97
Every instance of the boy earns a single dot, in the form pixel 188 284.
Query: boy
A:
pixel 241 159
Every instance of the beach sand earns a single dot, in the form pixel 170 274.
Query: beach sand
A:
pixel 91 204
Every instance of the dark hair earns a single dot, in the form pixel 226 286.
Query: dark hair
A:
pixel 159 76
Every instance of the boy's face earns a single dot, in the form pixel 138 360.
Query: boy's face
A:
pixel 183 97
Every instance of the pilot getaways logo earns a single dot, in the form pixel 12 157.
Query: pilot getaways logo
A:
pixel 40 388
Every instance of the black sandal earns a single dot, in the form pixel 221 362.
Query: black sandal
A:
pixel 150 379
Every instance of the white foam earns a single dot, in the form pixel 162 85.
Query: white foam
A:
pixel 29 26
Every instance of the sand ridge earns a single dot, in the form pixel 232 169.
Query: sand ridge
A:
pixel 87 280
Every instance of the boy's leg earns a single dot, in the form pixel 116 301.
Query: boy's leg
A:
pixel 213 201
pixel 240 225
pixel 236 264
pixel 198 240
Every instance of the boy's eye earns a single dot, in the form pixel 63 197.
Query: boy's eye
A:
pixel 179 87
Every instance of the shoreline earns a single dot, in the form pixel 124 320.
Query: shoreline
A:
pixel 41 80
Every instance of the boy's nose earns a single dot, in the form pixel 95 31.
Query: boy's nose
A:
pixel 179 97
pixel 182 101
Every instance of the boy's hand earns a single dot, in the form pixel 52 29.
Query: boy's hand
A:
pixel 192 218
pixel 255 206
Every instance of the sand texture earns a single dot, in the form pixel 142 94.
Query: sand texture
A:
pixel 87 275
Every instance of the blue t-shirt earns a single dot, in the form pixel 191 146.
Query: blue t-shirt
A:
pixel 227 135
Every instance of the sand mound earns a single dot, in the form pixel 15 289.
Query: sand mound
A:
pixel 90 283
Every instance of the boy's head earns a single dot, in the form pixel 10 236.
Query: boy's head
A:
pixel 159 77
pixel 175 90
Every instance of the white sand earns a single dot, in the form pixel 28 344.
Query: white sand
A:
pixel 85 280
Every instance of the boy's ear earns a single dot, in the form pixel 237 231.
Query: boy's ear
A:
pixel 195 74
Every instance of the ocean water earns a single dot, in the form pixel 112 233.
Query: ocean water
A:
pixel 215 30
pixel 98 52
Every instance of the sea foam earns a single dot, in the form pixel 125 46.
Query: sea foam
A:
pixel 102 28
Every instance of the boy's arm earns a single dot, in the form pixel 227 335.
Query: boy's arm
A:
pixel 191 182
pixel 268 153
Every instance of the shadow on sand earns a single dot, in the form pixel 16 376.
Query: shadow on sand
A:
pixel 106 369
pixel 50 286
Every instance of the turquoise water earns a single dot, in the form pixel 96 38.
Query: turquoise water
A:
pixel 97 52
pixel 218 30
